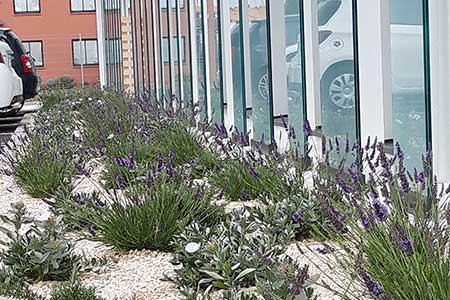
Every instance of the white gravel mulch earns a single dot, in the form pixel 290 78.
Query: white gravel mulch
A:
pixel 136 274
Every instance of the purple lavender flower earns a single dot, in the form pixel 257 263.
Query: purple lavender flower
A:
pixel 365 222
pixel 170 170
pixel 367 144
pixel 250 169
pixel 447 190
pixel 334 215
pixel 297 217
pixel 91 229
pixel 296 287
pixel 347 144
pixel 199 192
pixel 353 174
pixel 325 249
pixel 343 184
pixel 379 210
pixel 193 163
pixel 374 288
pixel 324 145
pixel 8 172
pixel 82 170
pixel 307 129
pixel 160 163
pixel 292 134
pixel 336 140
pixel 400 154
pixel 221 193
pixel 120 183
pixel 170 156
pixel 402 241
pixel 404 181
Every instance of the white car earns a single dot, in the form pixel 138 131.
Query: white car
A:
pixel 336 54
pixel 11 87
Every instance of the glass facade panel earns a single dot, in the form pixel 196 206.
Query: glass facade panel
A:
pixel 239 102
pixel 201 58
pixel 214 33
pixel 408 98
pixel 261 100
pixel 296 90
pixel 337 83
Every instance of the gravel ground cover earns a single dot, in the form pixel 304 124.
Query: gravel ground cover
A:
pixel 135 274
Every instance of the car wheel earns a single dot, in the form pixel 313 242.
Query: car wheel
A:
pixel 338 86
pixel 263 86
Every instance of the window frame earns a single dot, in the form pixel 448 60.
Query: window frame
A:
pixel 83 10
pixel 174 6
pixel 183 59
pixel 41 42
pixel 85 55
pixel 27 11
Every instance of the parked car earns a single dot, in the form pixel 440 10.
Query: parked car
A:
pixel 22 63
pixel 11 87
pixel 336 54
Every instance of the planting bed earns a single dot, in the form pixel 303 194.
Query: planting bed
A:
pixel 113 198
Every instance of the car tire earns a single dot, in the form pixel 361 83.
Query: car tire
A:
pixel 338 86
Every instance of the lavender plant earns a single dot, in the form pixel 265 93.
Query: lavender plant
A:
pixel 249 174
pixel 150 214
pixel 394 231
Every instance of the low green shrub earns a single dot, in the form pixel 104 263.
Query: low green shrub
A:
pixel 251 175
pixel 298 216
pixel 42 167
pixel 37 251
pixel 148 216
pixel 239 258
pixel 73 291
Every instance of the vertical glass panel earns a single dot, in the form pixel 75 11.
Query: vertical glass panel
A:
pixel 294 50
pixel 187 29
pixel 201 63
pixel 162 66
pixel 408 98
pixel 239 105
pixel 215 60
pixel 337 82
pixel 260 102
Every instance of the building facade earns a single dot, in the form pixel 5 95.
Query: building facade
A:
pixel 353 69
pixel 61 35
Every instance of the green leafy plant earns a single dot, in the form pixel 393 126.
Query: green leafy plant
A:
pixel 41 252
pixel 231 257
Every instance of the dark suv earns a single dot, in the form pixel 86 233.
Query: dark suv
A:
pixel 22 63
pixel 258 54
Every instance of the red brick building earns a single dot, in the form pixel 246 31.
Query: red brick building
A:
pixel 51 31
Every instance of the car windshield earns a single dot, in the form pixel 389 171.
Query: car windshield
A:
pixel 327 9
